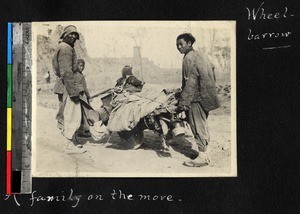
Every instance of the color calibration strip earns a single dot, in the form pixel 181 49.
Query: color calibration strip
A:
pixel 9 111
pixel 17 95
pixel 18 167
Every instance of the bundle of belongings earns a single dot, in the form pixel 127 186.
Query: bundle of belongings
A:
pixel 129 102
pixel 129 109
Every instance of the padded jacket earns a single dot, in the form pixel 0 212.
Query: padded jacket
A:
pixel 64 64
pixel 198 82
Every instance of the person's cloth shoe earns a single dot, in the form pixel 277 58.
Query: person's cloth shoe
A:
pixel 202 160
pixel 205 156
pixel 71 148
pixel 85 134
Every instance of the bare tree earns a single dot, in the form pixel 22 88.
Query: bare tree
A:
pixel 138 38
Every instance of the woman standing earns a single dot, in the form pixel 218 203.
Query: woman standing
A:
pixel 199 94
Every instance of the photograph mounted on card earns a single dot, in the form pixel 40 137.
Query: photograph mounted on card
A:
pixel 134 99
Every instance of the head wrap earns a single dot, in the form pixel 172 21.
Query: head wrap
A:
pixel 80 61
pixel 68 30
pixel 127 70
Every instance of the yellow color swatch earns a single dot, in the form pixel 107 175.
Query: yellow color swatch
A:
pixel 9 129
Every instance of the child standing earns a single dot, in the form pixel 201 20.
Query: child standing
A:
pixel 84 95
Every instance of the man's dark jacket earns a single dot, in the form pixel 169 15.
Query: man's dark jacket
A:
pixel 65 64
pixel 198 84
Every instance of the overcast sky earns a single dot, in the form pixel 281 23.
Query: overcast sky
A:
pixel 156 38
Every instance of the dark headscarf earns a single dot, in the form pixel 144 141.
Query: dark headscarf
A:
pixel 127 70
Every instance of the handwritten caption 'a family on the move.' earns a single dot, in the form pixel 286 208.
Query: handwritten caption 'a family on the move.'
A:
pixel 75 199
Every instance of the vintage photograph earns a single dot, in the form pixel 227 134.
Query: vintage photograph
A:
pixel 134 99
